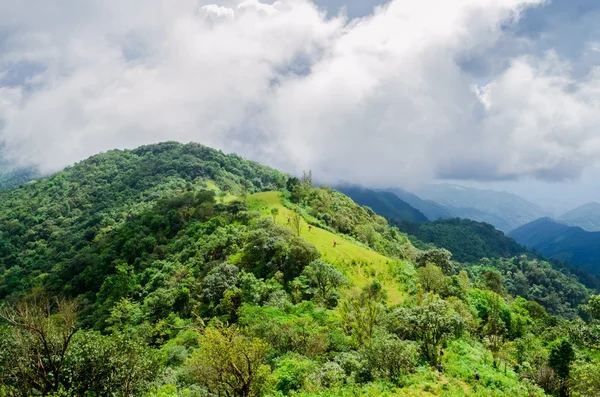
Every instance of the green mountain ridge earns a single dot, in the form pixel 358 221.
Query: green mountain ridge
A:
pixel 384 203
pixel 177 270
pixel 559 241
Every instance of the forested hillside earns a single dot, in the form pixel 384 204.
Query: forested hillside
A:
pixel 469 241
pixel 567 243
pixel 176 270
pixel 384 203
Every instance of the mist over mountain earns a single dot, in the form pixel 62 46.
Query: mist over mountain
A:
pixel 432 210
pixel 586 217
pixel 504 210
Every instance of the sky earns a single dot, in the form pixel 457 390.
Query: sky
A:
pixel 501 94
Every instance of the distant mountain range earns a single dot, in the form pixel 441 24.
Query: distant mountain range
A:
pixel 563 242
pixel 432 210
pixel 506 211
pixel 586 217
pixel 503 210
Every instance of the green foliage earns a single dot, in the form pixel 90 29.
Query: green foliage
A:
pixel 430 323
pixel 228 362
pixel 362 311
pixel 193 292
pixel 561 357
pixel 558 241
pixel 388 357
pixel 321 281
pixel 469 241
pixel 438 257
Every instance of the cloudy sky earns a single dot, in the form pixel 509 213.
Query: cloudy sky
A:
pixel 493 93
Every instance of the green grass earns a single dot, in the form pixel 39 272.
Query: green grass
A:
pixel 361 265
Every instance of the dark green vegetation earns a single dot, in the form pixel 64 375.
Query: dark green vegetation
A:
pixel 586 217
pixel 164 271
pixel 562 242
pixel 505 211
pixel 469 241
pixel 385 204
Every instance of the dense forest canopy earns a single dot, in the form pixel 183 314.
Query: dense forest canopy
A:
pixel 176 270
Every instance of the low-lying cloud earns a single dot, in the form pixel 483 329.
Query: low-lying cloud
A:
pixel 380 100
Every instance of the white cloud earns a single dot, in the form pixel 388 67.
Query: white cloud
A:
pixel 377 100
pixel 216 12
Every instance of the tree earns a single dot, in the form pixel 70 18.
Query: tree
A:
pixel 231 364
pixel 107 365
pixel 562 356
pixel 307 178
pixel 362 311
pixel 274 213
pixel 494 328
pixel 389 357
pixel 430 323
pixel 440 257
pixel 244 189
pixel 324 280
pixel 492 281
pixel 42 353
pixel 593 307
pixel 296 219
pixel 431 278
pixel 36 344
pixel 219 280
pixel 586 380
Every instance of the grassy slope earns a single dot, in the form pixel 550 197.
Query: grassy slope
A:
pixel 462 356
pixel 360 265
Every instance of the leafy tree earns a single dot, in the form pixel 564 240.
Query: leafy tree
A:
pixel 431 278
pixel 430 323
pixel 296 219
pixel 230 363
pixel 361 312
pixel 441 258
pixel 42 352
pixel 593 307
pixel 109 365
pixel 389 357
pixel 219 280
pixel 492 281
pixel 495 327
pixel 323 281
pixel 586 379
pixel 561 358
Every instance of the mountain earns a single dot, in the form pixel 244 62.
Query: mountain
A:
pixel 586 217
pixel 14 177
pixel 432 210
pixel 566 243
pixel 469 241
pixel 506 211
pixel 178 270
pixel 384 203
